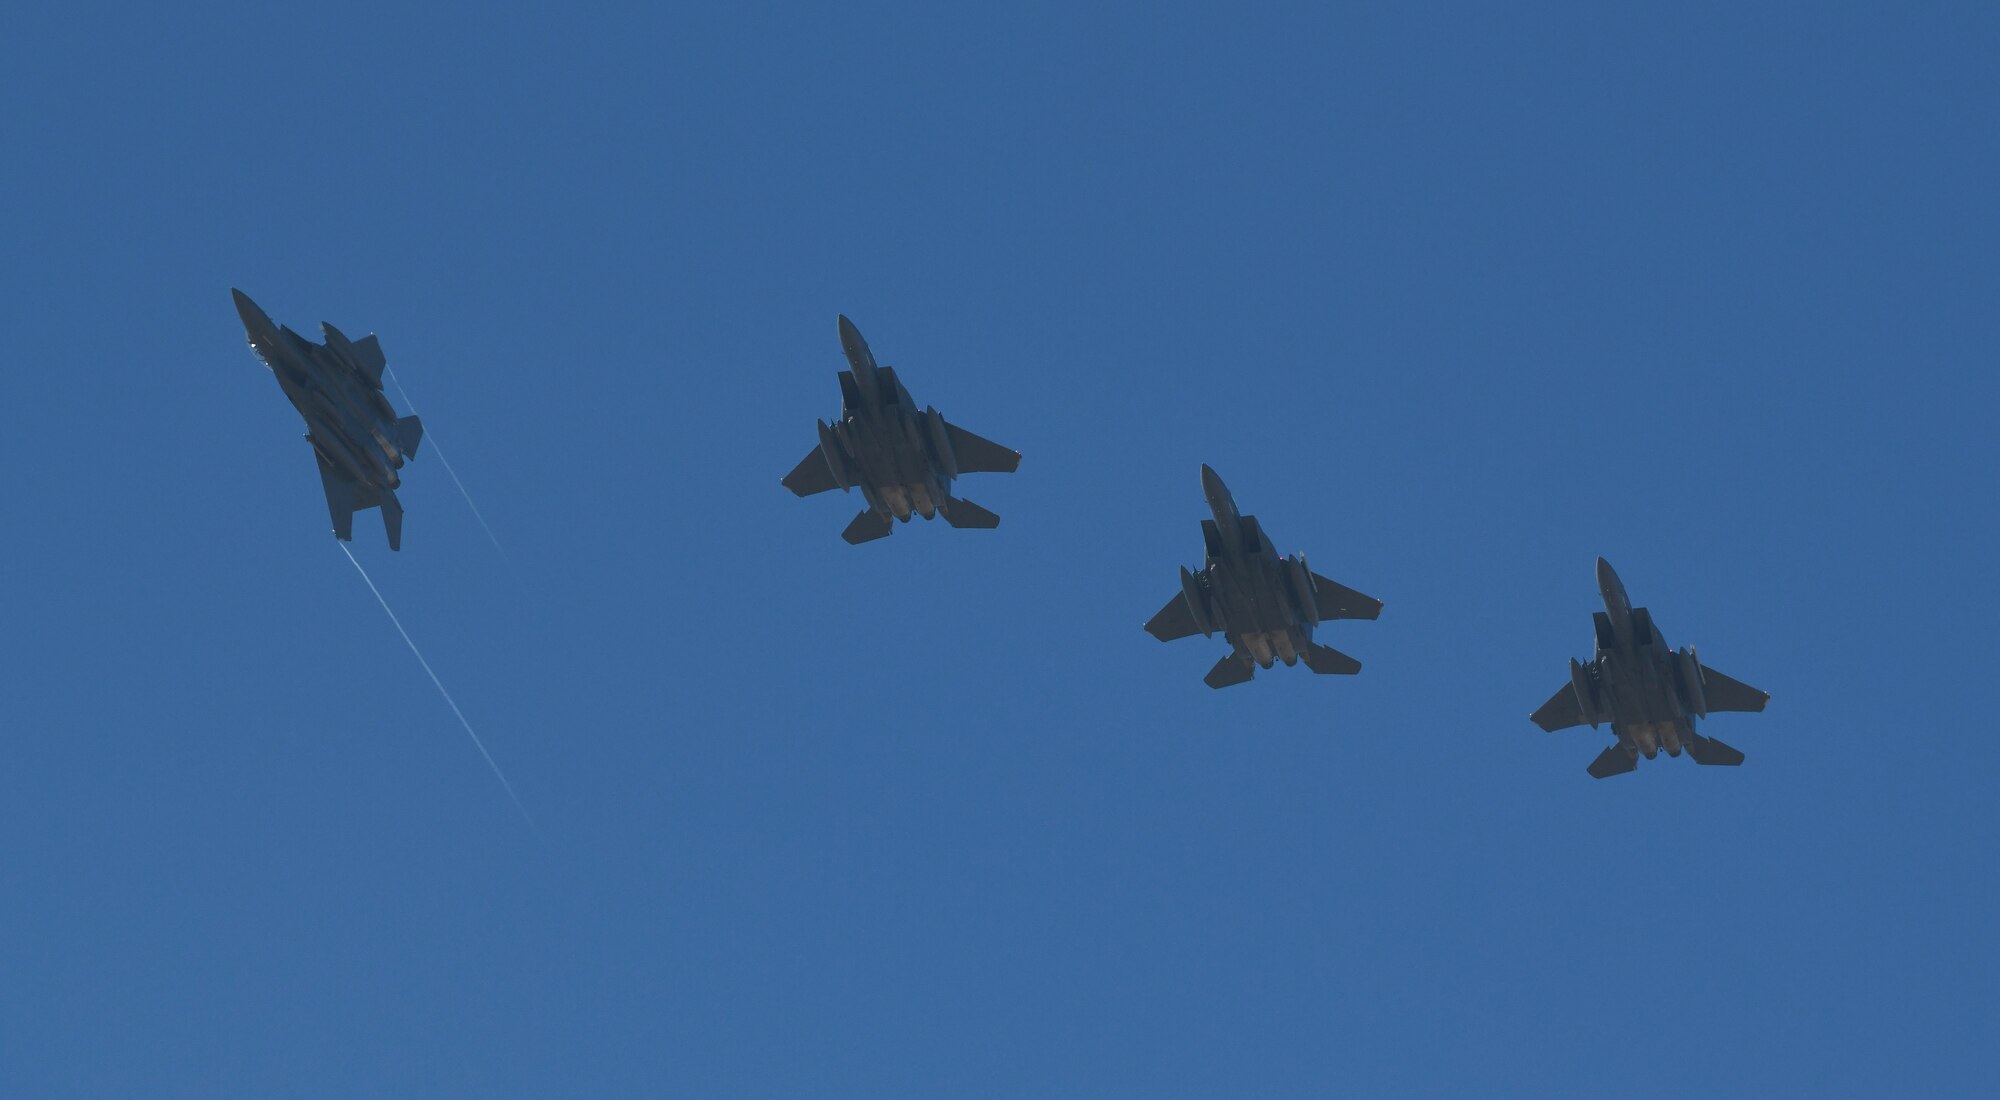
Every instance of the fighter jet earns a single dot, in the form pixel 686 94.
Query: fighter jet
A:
pixel 901 458
pixel 355 434
pixel 1266 606
pixel 1650 694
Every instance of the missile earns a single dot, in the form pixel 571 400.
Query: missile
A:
pixel 940 439
pixel 1191 591
pixel 836 462
pixel 1690 670
pixel 1302 587
pixel 1586 701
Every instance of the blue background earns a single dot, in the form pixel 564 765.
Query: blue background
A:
pixel 1455 298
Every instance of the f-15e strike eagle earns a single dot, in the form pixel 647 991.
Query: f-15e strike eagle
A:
pixel 1264 605
pixel 355 434
pixel 1649 693
pixel 903 459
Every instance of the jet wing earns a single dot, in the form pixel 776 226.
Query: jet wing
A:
pixel 344 497
pixel 1337 601
pixel 1560 712
pixel 368 354
pixel 980 456
pixel 811 475
pixel 365 354
pixel 1723 693
pixel 1174 621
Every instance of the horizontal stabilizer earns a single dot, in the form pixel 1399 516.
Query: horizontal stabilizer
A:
pixel 811 475
pixel 1707 750
pixel 964 513
pixel 1616 760
pixel 867 527
pixel 1337 601
pixel 392 518
pixel 409 433
pixel 1723 693
pixel 1560 712
pixel 343 497
pixel 1175 621
pixel 1327 661
pixel 975 455
pixel 1230 671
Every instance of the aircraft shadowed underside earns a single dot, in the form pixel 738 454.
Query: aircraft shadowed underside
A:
pixel 1650 694
pixel 903 459
pixel 1264 605
pixel 355 434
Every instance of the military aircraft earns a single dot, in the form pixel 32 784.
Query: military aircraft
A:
pixel 1265 606
pixel 901 458
pixel 1650 694
pixel 355 434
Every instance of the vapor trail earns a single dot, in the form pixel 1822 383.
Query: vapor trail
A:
pixel 449 701
pixel 411 406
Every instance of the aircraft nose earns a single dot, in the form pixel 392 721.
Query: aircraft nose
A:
pixel 1211 483
pixel 1610 586
pixel 253 318
pixel 854 347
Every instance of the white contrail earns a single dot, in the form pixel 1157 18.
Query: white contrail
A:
pixel 411 407
pixel 449 701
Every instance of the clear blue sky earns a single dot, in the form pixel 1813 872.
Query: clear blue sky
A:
pixel 1455 298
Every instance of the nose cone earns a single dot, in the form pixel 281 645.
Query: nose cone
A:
pixel 254 319
pixel 1211 484
pixel 854 346
pixel 1608 582
pixel 257 325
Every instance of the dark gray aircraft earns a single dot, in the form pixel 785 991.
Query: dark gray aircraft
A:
pixel 901 458
pixel 1266 606
pixel 355 434
pixel 1650 694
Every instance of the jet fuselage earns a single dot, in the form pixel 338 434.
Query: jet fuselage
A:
pixel 903 458
pixel 348 419
pixel 1264 605
pixel 1251 591
pixel 1650 693
pixel 1640 677
pixel 881 437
